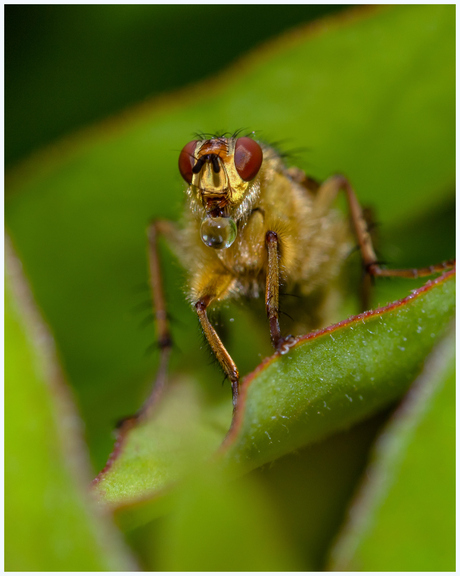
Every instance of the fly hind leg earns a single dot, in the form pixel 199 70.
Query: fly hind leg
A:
pixel 325 197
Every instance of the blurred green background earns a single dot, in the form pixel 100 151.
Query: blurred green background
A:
pixel 68 66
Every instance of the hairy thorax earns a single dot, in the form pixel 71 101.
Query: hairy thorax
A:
pixel 312 242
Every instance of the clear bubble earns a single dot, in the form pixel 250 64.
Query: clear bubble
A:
pixel 218 232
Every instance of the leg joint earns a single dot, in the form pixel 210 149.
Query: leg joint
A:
pixel 202 304
pixel 271 237
pixel 165 341
pixel 341 180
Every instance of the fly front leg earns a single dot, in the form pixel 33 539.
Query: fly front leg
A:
pixel 272 291
pixel 272 288
pixel 218 286
pixel 327 194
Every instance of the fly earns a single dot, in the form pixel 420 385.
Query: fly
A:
pixel 252 224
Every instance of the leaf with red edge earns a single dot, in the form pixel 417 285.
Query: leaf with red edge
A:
pixel 329 380
pixel 324 383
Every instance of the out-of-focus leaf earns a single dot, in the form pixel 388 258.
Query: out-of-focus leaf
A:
pixel 380 110
pixel 403 518
pixel 67 90
pixel 50 522
pixel 311 488
pixel 160 451
pixel 223 527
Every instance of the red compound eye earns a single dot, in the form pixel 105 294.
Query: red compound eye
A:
pixel 187 161
pixel 248 158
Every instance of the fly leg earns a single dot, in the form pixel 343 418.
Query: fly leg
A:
pixel 215 289
pixel 272 291
pixel 327 194
pixel 164 341
pixel 272 288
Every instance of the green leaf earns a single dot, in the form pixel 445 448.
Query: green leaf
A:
pixel 51 524
pixel 327 382
pixel 323 384
pixel 403 517
pixel 160 451
pixel 312 487
pixel 217 526
pixel 379 110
